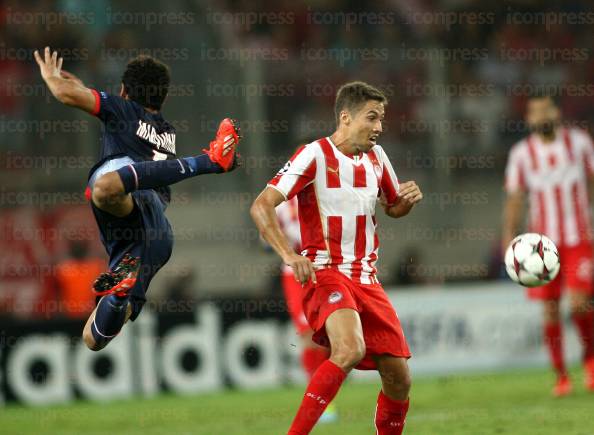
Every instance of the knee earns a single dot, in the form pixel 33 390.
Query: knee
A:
pixel 552 312
pixel 579 303
pixel 405 383
pixel 108 189
pixel 396 383
pixel 348 354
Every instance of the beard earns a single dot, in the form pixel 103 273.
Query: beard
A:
pixel 546 128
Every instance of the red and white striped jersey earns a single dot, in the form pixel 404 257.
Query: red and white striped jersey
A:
pixel 336 197
pixel 555 176
pixel 288 218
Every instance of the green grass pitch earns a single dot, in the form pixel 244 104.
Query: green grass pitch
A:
pixel 510 403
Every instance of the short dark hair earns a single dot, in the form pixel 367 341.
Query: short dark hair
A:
pixel 354 94
pixel 146 81
pixel 538 94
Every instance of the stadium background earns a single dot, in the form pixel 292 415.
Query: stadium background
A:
pixel 457 74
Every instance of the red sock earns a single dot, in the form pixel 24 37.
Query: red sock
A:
pixel 554 341
pixel 320 392
pixel 585 326
pixel 390 415
pixel 312 358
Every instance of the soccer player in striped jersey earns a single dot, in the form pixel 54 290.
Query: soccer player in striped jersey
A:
pixel 337 181
pixel 128 188
pixel 552 169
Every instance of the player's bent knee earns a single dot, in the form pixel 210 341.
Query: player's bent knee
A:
pixel 396 385
pixel 90 340
pixel 579 302
pixel 348 354
pixel 108 190
pixel 405 383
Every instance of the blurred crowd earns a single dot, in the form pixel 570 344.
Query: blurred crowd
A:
pixel 482 58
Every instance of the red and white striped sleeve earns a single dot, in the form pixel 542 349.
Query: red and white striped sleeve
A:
pixel 515 178
pixel 389 185
pixel 299 171
pixel 588 153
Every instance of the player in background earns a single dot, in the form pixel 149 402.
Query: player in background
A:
pixel 551 170
pixel 128 187
pixel 337 181
pixel 312 354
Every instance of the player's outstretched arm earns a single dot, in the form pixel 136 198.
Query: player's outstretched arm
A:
pixel 409 195
pixel 64 86
pixel 264 215
pixel 513 211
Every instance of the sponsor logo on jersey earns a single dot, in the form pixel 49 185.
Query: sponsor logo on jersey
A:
pixel 377 170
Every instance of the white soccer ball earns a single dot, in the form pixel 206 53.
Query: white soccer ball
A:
pixel 532 260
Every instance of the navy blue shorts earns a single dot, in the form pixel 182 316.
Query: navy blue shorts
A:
pixel 144 233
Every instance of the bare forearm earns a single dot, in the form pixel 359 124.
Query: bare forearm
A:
pixel 409 195
pixel 266 220
pixel 63 89
pixel 66 87
pixel 399 210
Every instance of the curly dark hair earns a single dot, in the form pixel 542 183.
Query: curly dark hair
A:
pixel 146 81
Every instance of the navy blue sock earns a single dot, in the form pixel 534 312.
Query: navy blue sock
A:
pixel 160 173
pixel 109 318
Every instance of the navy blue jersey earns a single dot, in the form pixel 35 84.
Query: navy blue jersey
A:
pixel 128 129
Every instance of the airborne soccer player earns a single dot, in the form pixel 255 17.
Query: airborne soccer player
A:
pixel 551 169
pixel 128 187
pixel 337 181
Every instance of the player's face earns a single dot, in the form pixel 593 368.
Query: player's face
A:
pixel 542 115
pixel 366 125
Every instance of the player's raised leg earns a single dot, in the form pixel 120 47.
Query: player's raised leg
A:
pixel 113 309
pixel 392 401
pixel 92 336
pixel 347 345
pixel 110 191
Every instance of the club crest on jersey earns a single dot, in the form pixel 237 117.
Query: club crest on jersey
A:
pixel 334 297
pixel 377 170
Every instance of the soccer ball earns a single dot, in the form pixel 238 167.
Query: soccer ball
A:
pixel 532 260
